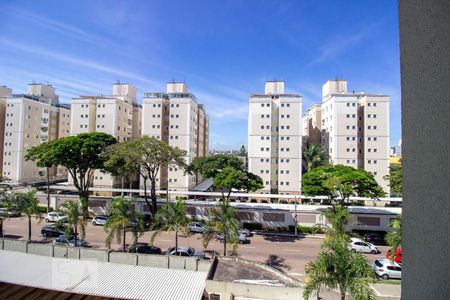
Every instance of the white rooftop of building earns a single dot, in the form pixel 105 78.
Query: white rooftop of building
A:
pixel 100 278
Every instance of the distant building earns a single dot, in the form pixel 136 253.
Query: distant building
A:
pixel 176 118
pixel 275 139
pixel 354 128
pixel 398 150
pixel 31 119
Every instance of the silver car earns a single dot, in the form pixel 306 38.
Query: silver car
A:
pixel 358 245
pixel 386 269
pixel 197 227
pixel 185 251
pixel 56 217
pixel 99 220
pixel 70 242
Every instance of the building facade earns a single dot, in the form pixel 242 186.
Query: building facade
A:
pixel 354 129
pixel 108 114
pixel 31 119
pixel 176 118
pixel 275 139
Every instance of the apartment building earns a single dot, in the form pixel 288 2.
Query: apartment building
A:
pixel 312 125
pixel 176 118
pixel 109 114
pixel 355 128
pixel 4 93
pixel 31 119
pixel 275 139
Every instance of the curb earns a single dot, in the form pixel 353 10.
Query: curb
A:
pixel 289 234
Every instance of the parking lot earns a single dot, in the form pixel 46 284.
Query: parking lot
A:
pixel 287 253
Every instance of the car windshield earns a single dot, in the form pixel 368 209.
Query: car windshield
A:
pixel 378 264
pixel 191 251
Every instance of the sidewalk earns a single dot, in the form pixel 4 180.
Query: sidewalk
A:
pixel 288 234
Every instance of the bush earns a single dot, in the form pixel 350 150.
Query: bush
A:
pixel 253 226
pixel 306 229
pixel 43 209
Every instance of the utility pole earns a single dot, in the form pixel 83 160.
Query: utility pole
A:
pixel 295 215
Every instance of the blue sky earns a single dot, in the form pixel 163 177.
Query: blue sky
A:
pixel 223 50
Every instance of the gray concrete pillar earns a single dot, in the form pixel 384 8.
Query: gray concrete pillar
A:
pixel 425 78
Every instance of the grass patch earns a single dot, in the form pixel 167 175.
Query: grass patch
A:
pixel 389 281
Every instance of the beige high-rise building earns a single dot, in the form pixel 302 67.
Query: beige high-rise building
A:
pixel 312 125
pixel 355 128
pixel 4 93
pixel 30 120
pixel 176 118
pixel 275 139
pixel 109 114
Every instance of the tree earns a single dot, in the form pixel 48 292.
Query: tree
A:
pixel 394 237
pixel 338 217
pixel 339 182
pixel 242 151
pixel 228 173
pixel 223 221
pixel 147 156
pixel 122 216
pixel 74 219
pixel 336 267
pixel 171 217
pixel 81 155
pixel 315 156
pixel 41 155
pixel 27 204
pixel 395 178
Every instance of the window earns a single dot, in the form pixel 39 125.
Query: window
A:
pixel 348 116
pixel 369 127
pixel 262 149
pixel 353 104
pixel 348 127
pixel 375 139
pixel 375 127
pixel 348 138
pixel 368 104
pixel 288 105
pixel 353 116
pixel 262 116
pixel 282 104
pixel 348 149
pixel 374 104
pixel 348 104
pixel 262 138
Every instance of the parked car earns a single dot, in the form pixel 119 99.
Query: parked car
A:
pixel 70 242
pixel 197 227
pixel 397 255
pixel 185 251
pixel 375 238
pixel 144 248
pixel 387 269
pixel 53 230
pixel 358 245
pixel 99 220
pixel 242 238
pixel 134 224
pixel 4 212
pixel 56 217
pixel 245 231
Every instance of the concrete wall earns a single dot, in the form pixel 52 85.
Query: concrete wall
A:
pixel 157 261
pixel 425 75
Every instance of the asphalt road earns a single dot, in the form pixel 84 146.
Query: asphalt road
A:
pixel 287 253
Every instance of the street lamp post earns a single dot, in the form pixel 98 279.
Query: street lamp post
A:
pixel 295 215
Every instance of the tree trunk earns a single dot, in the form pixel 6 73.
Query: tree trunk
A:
pixel 122 183
pixel 153 196
pixel 75 233
pixel 48 191
pixel 124 237
pixel 176 241
pixel 224 246
pixel 1 227
pixel 29 228
pixel 342 294
pixel 84 200
pixel 145 194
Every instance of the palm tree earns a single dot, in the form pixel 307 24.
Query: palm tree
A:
pixel 74 219
pixel 315 156
pixel 171 217
pixel 122 215
pixel 27 204
pixel 337 216
pixel 223 221
pixel 394 237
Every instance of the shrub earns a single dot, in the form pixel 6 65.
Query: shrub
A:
pixel 253 226
pixel 306 229
pixel 43 209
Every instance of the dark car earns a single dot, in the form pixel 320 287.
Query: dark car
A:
pixel 135 225
pixel 53 230
pixel 375 238
pixel 145 249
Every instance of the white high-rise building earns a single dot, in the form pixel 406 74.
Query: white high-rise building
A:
pixel 355 129
pixel 275 139
pixel 31 119
pixel 176 118
pixel 109 114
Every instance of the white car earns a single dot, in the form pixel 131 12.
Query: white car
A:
pixel 386 269
pixel 56 217
pixel 185 251
pixel 358 245
pixel 62 240
pixel 242 238
pixel 197 227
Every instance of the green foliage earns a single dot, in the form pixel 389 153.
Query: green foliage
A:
pixel 228 173
pixel 223 221
pixel 80 154
pixel 252 226
pixel 338 217
pixel 306 229
pixel 315 156
pixel 27 204
pixel 41 155
pixel 43 209
pixel 121 214
pixel 75 219
pixel 395 178
pixel 340 182
pixel 394 237
pixel 336 267
pixel 171 217
pixel 210 166
pixel 145 156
